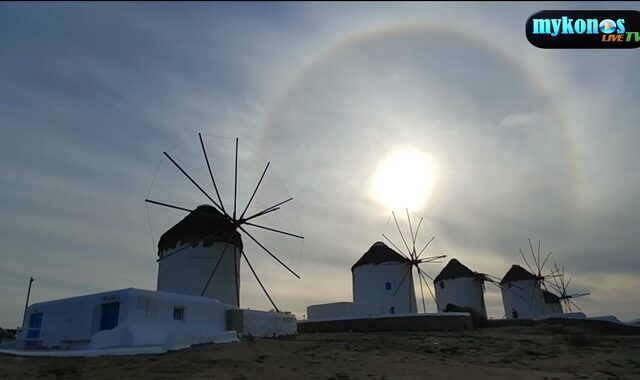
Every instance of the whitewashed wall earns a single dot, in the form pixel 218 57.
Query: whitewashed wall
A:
pixel 187 272
pixel 466 292
pixel 145 318
pixel 369 287
pixel 525 297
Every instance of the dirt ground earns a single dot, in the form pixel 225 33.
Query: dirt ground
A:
pixel 508 353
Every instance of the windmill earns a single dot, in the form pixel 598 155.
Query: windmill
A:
pixel 560 285
pixel 414 258
pixel 230 220
pixel 527 299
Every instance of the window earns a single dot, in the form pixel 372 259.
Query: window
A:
pixel 110 315
pixel 35 322
pixel 387 286
pixel 178 313
pixel 441 284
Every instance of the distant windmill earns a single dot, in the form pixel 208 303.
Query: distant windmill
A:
pixel 414 258
pixel 522 290
pixel 218 223
pixel 560 285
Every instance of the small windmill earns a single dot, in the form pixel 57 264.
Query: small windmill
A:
pixel 414 258
pixel 230 221
pixel 560 285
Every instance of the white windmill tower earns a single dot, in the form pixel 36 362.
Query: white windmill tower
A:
pixel 523 292
pixel 378 280
pixel 459 288
pixel 412 260
pixel 201 254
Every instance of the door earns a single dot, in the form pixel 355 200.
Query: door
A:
pixel 109 316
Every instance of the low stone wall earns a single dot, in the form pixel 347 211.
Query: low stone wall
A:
pixel 263 324
pixel 426 322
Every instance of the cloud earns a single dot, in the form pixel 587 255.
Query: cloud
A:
pixel 93 95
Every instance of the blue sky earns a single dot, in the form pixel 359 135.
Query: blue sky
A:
pixel 527 142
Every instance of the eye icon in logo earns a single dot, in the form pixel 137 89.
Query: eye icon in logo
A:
pixel 607 26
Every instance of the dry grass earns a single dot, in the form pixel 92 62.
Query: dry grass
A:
pixel 513 352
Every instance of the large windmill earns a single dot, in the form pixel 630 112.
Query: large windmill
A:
pixel 221 227
pixel 414 259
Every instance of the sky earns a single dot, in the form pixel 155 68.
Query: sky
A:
pixel 524 142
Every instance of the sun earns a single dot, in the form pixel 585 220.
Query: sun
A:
pixel 404 180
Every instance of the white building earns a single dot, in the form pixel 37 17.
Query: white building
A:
pixel 382 285
pixel 186 261
pixel 459 287
pixel 521 294
pixel 175 316
pixel 384 277
pixel 125 318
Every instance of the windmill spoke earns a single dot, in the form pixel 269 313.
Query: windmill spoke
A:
pixel 534 257
pixel 413 239
pixel 194 182
pixel 574 305
pixel 275 230
pixel 394 246
pixel 421 272
pixel 269 252
pixel 576 295
pixel 424 307
pixel 525 261
pixel 259 282
pixel 546 258
pixel 401 235
pixel 556 288
pixel 268 209
pixel 235 183
pixel 261 213
pixel 255 190
pixel 432 259
pixel 541 266
pixel 185 209
pixel 215 268
pixel 555 279
pixel 425 247
pixel 211 173
pixel 402 281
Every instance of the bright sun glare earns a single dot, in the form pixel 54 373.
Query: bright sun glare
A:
pixel 403 180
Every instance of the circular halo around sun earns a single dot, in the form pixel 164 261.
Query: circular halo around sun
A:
pixel 404 180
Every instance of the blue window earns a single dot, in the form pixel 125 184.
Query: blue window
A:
pixel 35 323
pixel 387 286
pixel 109 317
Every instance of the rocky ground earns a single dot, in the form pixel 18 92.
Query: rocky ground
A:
pixel 510 352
